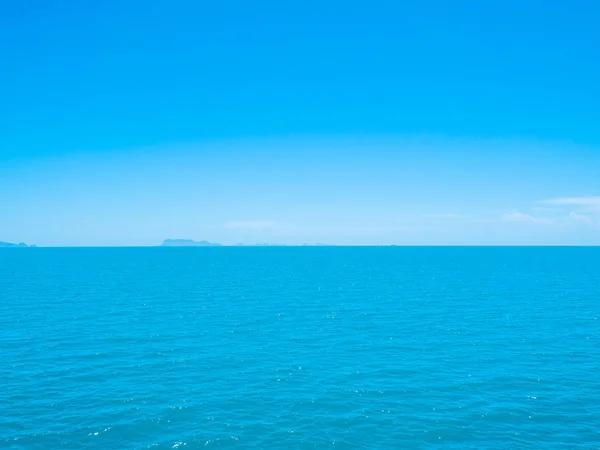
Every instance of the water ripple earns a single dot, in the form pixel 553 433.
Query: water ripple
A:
pixel 469 348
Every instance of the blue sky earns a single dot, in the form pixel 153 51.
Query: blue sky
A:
pixel 434 122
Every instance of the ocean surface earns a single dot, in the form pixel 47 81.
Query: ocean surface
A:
pixel 293 348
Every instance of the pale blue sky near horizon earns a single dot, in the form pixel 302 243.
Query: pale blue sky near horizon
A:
pixel 429 123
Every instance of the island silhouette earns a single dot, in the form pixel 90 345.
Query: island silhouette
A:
pixel 192 243
pixel 19 245
pixel 188 243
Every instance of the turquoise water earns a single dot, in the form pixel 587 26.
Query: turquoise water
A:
pixel 382 347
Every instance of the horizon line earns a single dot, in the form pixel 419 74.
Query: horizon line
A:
pixel 305 245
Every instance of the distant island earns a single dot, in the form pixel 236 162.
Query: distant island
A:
pixel 260 244
pixel 192 243
pixel 19 245
pixel 188 243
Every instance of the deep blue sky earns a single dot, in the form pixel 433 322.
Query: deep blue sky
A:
pixel 433 122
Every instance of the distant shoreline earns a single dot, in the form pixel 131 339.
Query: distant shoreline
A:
pixel 308 246
pixel 19 245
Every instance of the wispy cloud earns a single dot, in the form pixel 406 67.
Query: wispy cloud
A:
pixel 516 216
pixel 580 218
pixel 593 202
pixel 561 211
pixel 257 225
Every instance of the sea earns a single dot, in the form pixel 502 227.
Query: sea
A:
pixel 300 348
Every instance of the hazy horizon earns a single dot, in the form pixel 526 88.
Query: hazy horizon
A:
pixel 424 125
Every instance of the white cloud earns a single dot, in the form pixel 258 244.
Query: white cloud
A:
pixel 257 225
pixel 517 216
pixel 579 218
pixel 593 202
